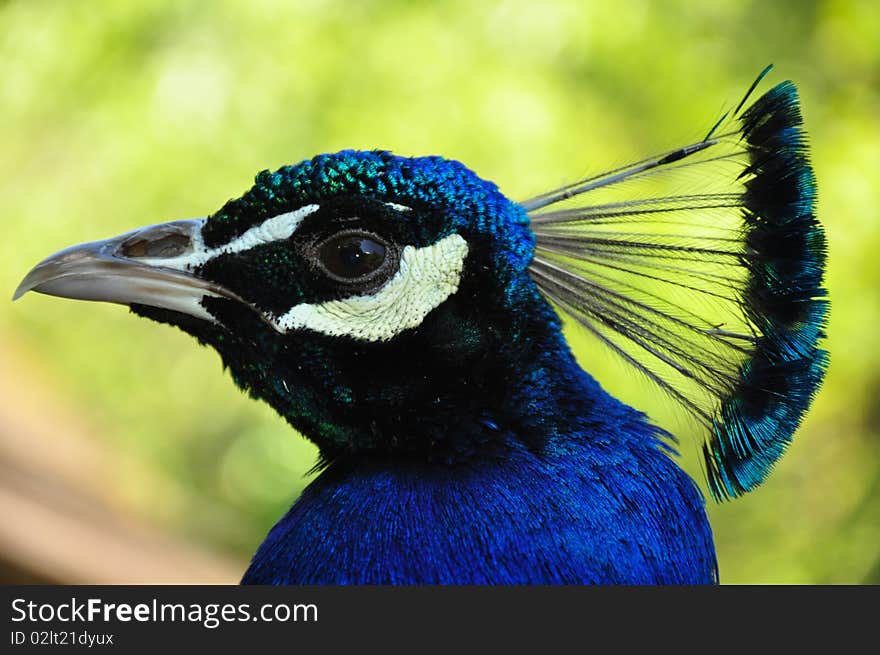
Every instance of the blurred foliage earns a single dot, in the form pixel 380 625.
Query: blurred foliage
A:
pixel 119 114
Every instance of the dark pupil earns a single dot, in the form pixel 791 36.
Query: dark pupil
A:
pixel 352 256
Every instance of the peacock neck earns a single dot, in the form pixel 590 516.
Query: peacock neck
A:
pixel 550 481
pixel 603 507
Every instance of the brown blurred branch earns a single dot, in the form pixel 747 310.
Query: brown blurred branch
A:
pixel 57 524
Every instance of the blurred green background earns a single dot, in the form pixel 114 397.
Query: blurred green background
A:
pixel 119 114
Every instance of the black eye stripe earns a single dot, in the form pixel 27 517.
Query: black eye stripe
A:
pixel 402 227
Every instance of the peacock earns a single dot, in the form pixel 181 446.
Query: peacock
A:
pixel 407 317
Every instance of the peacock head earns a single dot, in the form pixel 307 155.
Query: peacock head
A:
pixel 377 302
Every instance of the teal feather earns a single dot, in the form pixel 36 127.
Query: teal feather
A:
pixel 785 299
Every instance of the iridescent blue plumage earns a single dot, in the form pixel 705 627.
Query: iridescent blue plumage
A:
pixel 601 502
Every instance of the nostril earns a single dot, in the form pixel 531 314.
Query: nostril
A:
pixel 169 245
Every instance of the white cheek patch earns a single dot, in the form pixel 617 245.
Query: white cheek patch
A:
pixel 277 228
pixel 426 277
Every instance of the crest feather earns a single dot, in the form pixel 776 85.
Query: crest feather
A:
pixel 714 294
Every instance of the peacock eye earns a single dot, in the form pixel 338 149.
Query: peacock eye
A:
pixel 353 256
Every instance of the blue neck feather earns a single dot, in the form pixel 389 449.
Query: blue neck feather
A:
pixel 603 503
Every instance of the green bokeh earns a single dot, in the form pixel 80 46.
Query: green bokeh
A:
pixel 118 114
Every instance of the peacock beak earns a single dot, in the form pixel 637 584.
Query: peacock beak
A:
pixel 143 266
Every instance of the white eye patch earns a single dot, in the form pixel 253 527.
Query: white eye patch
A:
pixel 426 277
pixel 277 228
